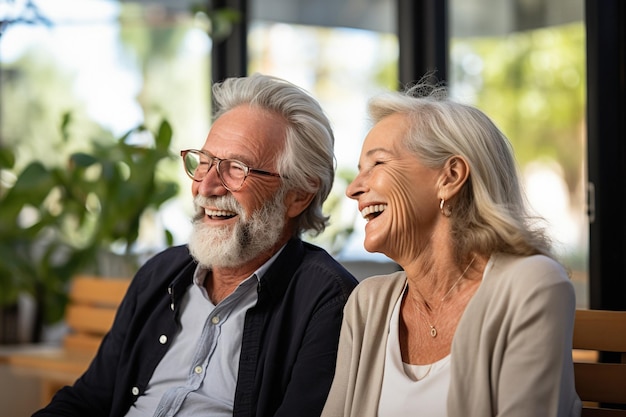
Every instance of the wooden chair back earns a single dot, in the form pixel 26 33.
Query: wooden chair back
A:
pixel 89 316
pixel 91 310
pixel 601 386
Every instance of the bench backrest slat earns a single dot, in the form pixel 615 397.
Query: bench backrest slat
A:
pixel 91 310
pixel 601 386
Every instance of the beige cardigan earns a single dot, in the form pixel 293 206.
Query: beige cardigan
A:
pixel 511 353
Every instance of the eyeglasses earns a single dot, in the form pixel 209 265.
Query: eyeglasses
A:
pixel 232 173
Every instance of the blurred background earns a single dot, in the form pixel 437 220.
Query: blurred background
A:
pixel 98 96
pixel 79 77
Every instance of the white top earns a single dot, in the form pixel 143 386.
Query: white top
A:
pixel 411 389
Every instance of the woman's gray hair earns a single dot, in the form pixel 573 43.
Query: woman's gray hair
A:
pixel 490 213
pixel 308 160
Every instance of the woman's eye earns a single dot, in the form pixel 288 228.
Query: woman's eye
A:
pixel 372 164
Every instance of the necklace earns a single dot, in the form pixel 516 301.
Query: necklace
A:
pixel 433 330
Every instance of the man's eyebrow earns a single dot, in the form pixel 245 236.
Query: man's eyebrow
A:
pixel 238 157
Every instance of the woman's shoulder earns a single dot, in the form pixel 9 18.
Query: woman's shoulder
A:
pixel 379 287
pixel 373 298
pixel 534 270
pixel 383 282
pixel 513 284
pixel 524 264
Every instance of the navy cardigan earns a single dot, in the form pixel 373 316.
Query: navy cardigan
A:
pixel 289 345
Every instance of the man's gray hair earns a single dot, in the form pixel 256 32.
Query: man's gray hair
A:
pixel 308 159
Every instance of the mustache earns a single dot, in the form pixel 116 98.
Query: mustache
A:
pixel 226 203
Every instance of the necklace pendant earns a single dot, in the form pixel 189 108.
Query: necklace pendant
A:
pixel 433 331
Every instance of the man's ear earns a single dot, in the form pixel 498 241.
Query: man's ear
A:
pixel 297 201
pixel 454 174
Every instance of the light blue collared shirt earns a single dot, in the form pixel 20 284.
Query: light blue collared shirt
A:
pixel 198 374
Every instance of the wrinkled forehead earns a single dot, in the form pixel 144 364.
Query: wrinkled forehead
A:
pixel 247 133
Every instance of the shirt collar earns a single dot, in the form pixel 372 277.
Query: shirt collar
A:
pixel 200 273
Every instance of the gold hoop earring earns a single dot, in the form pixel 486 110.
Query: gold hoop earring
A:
pixel 445 210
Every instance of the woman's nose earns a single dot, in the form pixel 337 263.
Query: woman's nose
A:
pixel 355 188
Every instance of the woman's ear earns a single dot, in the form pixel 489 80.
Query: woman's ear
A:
pixel 454 174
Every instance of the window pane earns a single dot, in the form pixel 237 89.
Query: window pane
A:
pixel 342 67
pixel 524 65
pixel 108 66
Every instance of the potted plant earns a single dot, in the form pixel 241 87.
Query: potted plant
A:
pixel 58 221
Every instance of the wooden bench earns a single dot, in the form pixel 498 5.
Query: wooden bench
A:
pixel 601 386
pixel 93 302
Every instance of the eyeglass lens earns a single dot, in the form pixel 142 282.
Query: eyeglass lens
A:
pixel 232 173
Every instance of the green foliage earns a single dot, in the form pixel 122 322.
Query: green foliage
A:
pixel 7 159
pixel 533 86
pixel 56 220
pixel 115 184
pixel 219 22
pixel 36 94
pixel 32 259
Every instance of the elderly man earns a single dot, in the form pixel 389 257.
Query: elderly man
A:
pixel 245 319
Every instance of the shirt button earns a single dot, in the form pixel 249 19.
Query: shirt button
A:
pixel 215 319
pixel 172 306
pixel 163 339
pixel 135 391
pixel 198 369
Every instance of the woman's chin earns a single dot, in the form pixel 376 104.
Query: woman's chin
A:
pixel 372 246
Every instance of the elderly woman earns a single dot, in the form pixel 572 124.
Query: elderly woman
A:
pixel 480 320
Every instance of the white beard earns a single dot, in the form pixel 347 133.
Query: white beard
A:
pixel 234 245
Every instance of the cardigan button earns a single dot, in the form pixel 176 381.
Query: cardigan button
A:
pixel 163 339
pixel 135 391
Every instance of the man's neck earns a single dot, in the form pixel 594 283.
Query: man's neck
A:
pixel 221 282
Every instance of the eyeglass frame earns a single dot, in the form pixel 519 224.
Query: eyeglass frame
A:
pixel 215 161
